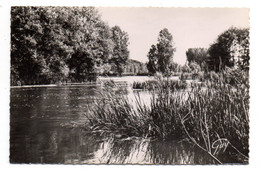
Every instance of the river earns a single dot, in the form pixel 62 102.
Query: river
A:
pixel 46 127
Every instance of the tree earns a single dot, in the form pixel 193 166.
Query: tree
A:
pixel 194 67
pixel 81 66
pixel 92 44
pixel 160 57
pixel 165 50
pixel 120 52
pixel 152 64
pixel 175 67
pixel 39 50
pixel 26 61
pixel 49 43
pixel 55 43
pixel 231 49
pixel 197 55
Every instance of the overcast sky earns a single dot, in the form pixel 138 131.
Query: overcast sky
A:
pixel 190 27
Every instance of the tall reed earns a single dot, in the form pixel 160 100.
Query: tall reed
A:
pixel 113 112
pixel 214 116
pixel 155 84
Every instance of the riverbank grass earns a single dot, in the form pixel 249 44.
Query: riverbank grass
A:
pixel 209 116
pixel 155 84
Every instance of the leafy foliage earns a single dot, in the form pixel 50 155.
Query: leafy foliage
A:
pixel 197 55
pixel 120 52
pixel 230 49
pixel 194 67
pixel 134 67
pixel 160 56
pixel 52 44
pixel 153 60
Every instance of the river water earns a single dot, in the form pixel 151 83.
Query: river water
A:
pixel 45 128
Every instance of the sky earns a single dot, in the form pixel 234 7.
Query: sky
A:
pixel 190 27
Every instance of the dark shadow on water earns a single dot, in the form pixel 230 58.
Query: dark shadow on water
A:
pixel 36 118
pixel 49 145
pixel 38 133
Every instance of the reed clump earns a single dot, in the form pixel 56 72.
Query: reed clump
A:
pixel 214 116
pixel 155 84
pixel 113 112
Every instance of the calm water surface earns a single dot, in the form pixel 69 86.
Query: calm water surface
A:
pixel 45 129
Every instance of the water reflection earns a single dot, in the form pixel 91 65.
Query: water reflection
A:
pixel 39 135
pixel 145 151
pixel 53 145
pixel 76 146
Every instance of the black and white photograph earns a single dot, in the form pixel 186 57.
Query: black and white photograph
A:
pixel 129 85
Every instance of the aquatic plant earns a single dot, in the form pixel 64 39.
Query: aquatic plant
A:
pixel 217 117
pixel 155 84
pixel 147 85
pixel 214 116
pixel 113 112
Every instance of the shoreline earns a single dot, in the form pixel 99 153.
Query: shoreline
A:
pixel 128 79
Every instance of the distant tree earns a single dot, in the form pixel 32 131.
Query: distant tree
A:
pixel 230 49
pixel 197 55
pixel 120 52
pixel 194 67
pixel 165 51
pixel 186 68
pixel 160 56
pixel 175 67
pixel 135 67
pixel 152 64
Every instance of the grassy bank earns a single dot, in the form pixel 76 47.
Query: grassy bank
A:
pixel 215 117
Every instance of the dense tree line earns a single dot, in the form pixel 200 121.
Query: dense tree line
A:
pixel 52 44
pixel 134 67
pixel 231 49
